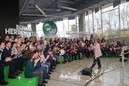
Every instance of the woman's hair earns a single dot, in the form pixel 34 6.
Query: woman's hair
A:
pixel 7 42
pixel 2 42
pixel 13 43
pixel 98 40
pixel 40 51
pixel 50 50
pixel 31 54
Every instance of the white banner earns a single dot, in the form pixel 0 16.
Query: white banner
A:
pixel 20 30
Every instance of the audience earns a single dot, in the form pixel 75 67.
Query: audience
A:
pixel 39 57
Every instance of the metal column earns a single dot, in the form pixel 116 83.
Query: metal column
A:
pixel 101 21
pixel 76 26
pixel 93 22
pixel 88 25
pixel 119 21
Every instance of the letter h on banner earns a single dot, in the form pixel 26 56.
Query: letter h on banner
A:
pixel 7 31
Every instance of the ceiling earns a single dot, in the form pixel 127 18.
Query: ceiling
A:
pixel 42 10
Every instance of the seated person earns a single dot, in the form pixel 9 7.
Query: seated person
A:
pixel 30 68
pixel 8 61
pixel 62 51
pixel 41 67
pixel 43 60
pixel 50 58
pixel 2 80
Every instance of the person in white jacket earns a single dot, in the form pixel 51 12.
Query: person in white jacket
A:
pixel 98 54
pixel 124 51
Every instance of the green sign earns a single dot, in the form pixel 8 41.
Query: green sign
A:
pixel 49 28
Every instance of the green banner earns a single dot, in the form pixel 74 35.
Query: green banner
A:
pixel 49 28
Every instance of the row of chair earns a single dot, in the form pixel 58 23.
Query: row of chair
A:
pixel 20 80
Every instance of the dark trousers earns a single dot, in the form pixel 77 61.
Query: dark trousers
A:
pixel 96 60
pixel 74 56
pixel 78 54
pixel 39 73
pixel 12 66
pixel 20 63
pixel 88 53
pixel 1 71
pixel 65 57
pixel 126 55
pixel 52 64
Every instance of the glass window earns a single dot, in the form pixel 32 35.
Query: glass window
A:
pixel 124 15
pixel 72 25
pixel 97 23
pixel 110 19
pixel 90 22
pixel 39 30
pixel 61 30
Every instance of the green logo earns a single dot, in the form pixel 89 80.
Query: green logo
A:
pixel 49 28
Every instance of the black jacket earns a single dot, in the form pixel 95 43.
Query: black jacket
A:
pixel 6 53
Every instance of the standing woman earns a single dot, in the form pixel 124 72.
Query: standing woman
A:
pixel 98 54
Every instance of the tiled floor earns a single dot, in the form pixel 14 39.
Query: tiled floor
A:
pixel 68 74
